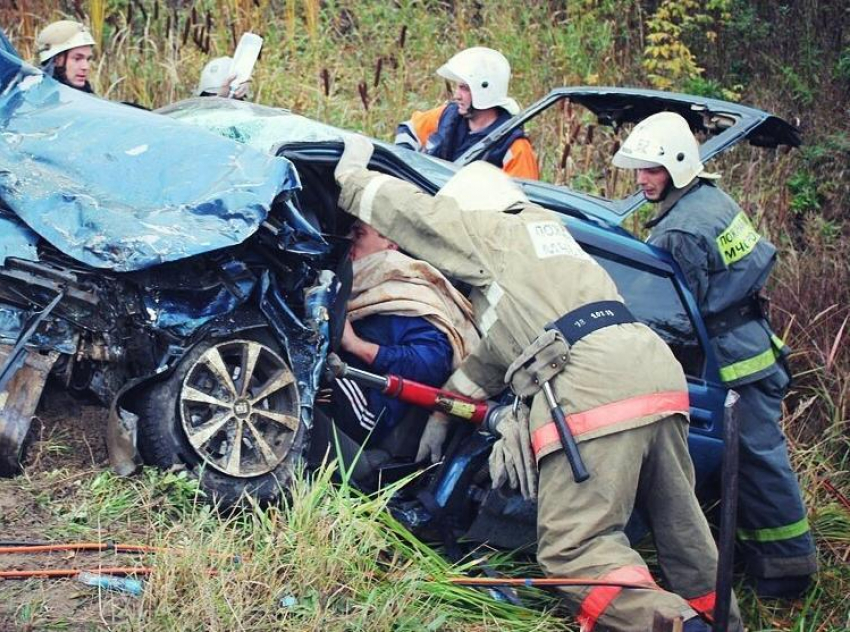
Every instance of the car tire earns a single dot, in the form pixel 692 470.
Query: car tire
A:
pixel 192 418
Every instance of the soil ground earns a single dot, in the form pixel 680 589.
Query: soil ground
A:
pixel 68 446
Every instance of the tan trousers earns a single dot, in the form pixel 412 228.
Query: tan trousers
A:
pixel 580 528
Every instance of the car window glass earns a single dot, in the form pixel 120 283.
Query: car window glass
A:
pixel 653 299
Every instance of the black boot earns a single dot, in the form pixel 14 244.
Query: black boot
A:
pixel 781 587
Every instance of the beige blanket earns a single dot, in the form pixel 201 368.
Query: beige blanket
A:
pixel 390 282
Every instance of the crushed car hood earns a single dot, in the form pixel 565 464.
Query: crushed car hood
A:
pixel 117 187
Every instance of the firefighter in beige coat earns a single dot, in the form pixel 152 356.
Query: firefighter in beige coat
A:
pixel 624 392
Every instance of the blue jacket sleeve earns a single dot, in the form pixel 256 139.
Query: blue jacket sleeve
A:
pixel 421 353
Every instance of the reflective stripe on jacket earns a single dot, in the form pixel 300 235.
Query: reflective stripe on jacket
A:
pixel 725 262
pixel 442 132
pixel 526 270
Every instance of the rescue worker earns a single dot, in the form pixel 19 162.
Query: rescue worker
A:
pixel 623 389
pixel 479 105
pixel 404 318
pixel 726 264
pixel 216 78
pixel 65 51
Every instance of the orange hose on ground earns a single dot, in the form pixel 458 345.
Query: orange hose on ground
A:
pixel 545 581
pixel 83 546
pixel 72 572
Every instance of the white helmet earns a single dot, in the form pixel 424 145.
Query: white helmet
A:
pixel 214 74
pixel 480 186
pixel 59 37
pixel 486 72
pixel 663 139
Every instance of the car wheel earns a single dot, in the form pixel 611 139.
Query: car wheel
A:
pixel 230 413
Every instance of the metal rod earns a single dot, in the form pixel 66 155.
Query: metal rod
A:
pixel 728 515
pixel 580 473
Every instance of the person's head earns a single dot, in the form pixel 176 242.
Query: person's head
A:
pixel 664 153
pixel 480 186
pixel 65 50
pixel 366 241
pixel 481 77
pixel 214 76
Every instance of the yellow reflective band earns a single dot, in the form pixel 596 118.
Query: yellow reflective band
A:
pixel 778 342
pixel 776 533
pixel 738 240
pixel 747 367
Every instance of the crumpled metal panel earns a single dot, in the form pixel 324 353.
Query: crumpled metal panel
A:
pixel 16 240
pixel 121 188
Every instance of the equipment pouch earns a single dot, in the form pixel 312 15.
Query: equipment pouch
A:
pixel 542 360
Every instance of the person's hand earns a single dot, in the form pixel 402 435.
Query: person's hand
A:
pixel 239 93
pixel 431 443
pixel 349 339
pixel 354 344
pixel 512 459
pixel 358 151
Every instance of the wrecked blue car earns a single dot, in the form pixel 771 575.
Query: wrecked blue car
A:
pixel 165 271
pixel 188 268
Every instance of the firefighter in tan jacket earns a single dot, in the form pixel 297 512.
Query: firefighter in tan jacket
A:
pixel 624 392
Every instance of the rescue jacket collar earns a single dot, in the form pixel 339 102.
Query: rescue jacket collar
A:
pixel 671 198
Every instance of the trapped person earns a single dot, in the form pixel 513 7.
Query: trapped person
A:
pixel 727 263
pixel 404 318
pixel 479 105
pixel 216 78
pixel 623 389
pixel 65 52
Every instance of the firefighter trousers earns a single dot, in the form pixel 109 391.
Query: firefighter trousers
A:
pixel 773 532
pixel 580 528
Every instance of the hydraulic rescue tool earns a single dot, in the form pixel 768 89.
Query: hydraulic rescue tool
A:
pixel 478 412
pixel 418 394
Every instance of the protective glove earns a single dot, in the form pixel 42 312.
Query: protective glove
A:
pixel 512 458
pixel 433 438
pixel 358 151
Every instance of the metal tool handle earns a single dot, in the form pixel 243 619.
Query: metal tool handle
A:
pixel 580 473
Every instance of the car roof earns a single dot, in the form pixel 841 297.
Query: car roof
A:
pixel 722 123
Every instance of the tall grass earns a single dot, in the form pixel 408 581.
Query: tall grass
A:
pixel 365 65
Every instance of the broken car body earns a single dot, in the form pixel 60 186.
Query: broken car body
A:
pixel 199 275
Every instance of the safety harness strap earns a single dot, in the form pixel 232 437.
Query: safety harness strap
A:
pixel 600 597
pixel 611 414
pixel 734 316
pixel 583 321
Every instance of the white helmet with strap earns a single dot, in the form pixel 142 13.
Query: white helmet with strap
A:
pixel 480 186
pixel 486 72
pixel 214 74
pixel 59 37
pixel 664 139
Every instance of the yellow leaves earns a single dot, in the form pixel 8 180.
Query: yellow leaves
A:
pixel 667 58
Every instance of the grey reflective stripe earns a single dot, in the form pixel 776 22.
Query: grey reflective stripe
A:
pixel 367 201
